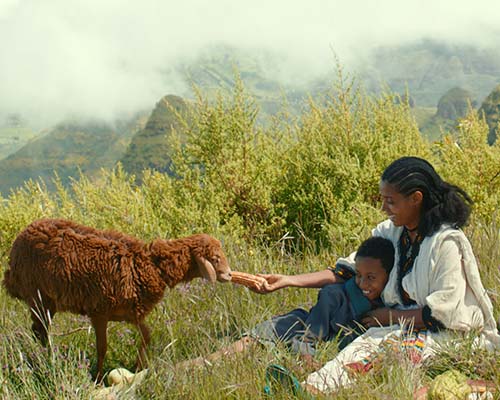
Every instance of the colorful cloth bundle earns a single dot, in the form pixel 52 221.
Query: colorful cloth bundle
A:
pixel 410 344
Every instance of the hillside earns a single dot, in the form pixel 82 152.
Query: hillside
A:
pixel 431 71
pixel 429 68
pixel 490 110
pixel 67 149
pixel 149 148
pixel 452 106
pixel 217 68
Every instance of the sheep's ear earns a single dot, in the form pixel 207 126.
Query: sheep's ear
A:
pixel 207 270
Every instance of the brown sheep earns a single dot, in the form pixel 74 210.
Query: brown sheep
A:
pixel 58 265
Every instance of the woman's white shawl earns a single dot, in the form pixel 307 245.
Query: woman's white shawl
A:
pixel 445 277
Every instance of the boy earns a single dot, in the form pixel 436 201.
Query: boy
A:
pixel 339 305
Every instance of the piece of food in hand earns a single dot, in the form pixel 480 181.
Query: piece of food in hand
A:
pixel 249 280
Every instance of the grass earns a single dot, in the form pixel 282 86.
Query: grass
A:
pixel 198 318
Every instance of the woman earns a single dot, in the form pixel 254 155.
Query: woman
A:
pixel 435 284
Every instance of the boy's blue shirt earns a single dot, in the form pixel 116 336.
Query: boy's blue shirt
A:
pixel 359 302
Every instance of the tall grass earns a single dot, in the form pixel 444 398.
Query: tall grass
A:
pixel 288 197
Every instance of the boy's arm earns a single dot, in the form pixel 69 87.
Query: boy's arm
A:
pixel 310 280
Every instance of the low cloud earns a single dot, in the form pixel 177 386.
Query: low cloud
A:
pixel 61 58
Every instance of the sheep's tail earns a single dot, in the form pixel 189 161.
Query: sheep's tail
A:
pixel 9 285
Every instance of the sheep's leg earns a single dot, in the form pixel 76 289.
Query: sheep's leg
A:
pixel 145 339
pixel 42 311
pixel 40 327
pixel 100 325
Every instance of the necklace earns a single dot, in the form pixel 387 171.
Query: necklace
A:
pixel 408 251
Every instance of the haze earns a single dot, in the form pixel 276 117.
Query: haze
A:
pixel 105 59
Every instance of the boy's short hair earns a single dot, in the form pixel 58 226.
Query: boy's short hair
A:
pixel 379 248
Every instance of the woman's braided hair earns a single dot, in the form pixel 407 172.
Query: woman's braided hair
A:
pixel 442 201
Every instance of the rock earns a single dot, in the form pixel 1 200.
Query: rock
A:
pixel 119 375
pixel 123 385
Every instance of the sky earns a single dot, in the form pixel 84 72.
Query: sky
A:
pixel 110 58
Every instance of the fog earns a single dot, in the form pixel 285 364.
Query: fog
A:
pixel 105 59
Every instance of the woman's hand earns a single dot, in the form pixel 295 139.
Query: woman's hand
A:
pixel 386 316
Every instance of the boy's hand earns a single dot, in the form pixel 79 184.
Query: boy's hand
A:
pixel 273 282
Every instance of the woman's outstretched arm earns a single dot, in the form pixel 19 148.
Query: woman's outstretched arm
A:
pixel 387 316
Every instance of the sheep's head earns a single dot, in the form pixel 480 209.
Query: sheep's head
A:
pixel 181 260
pixel 210 259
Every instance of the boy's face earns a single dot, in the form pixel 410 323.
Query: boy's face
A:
pixel 371 277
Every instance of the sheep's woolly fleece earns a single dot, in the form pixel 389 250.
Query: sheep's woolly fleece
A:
pixel 58 265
